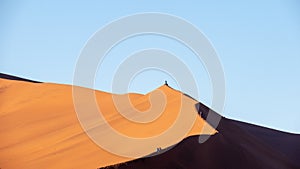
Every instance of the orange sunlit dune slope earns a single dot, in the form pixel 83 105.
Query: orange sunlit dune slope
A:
pixel 40 128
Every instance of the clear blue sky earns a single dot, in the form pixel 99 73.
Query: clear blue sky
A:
pixel 258 43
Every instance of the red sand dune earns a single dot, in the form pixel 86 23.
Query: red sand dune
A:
pixel 40 129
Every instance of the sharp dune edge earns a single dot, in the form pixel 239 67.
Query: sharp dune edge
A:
pixel 40 129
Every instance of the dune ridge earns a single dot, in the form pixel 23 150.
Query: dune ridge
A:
pixel 40 129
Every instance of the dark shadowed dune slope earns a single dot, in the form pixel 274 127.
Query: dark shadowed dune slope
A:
pixel 238 145
pixel 11 77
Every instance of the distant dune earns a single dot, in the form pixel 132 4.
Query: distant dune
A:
pixel 11 77
pixel 40 129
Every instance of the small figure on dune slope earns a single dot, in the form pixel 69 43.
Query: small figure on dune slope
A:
pixel 166 83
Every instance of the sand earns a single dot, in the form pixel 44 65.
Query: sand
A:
pixel 40 128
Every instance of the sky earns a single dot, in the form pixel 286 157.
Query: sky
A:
pixel 257 42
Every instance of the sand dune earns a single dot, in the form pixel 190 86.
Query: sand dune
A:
pixel 40 129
